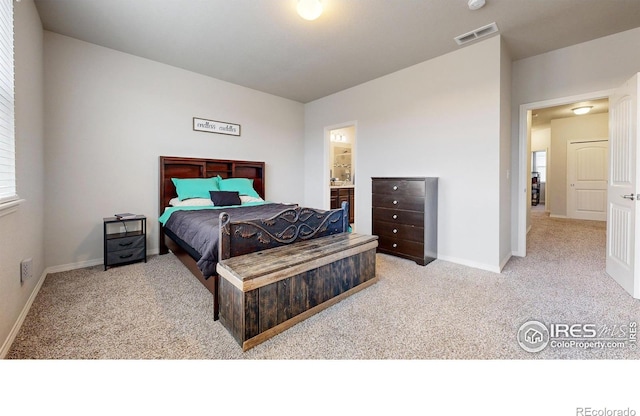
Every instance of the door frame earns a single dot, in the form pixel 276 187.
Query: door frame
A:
pixel 523 188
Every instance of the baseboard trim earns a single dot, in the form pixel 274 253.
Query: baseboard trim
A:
pixel 504 261
pixel 86 263
pixel 74 266
pixel 481 266
pixel 23 315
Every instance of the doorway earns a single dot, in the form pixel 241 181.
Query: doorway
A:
pixel 341 165
pixel 623 134
pixel 532 115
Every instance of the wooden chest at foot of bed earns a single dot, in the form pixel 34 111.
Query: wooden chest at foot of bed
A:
pixel 266 292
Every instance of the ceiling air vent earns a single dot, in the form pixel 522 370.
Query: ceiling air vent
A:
pixel 477 34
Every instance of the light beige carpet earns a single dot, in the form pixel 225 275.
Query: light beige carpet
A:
pixel 158 310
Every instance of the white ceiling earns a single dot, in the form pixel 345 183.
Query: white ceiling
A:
pixel 266 46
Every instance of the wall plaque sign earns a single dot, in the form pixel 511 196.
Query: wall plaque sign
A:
pixel 212 126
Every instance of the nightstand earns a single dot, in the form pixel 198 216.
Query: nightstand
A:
pixel 125 247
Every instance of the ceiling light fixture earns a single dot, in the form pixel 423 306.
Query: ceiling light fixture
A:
pixel 475 4
pixel 582 110
pixel 309 9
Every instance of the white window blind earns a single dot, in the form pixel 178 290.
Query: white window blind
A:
pixel 7 116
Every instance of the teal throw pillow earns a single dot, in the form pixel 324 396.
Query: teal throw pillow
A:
pixel 195 187
pixel 243 186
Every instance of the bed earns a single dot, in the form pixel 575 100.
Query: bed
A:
pixel 195 234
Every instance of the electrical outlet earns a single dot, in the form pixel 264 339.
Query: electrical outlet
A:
pixel 26 271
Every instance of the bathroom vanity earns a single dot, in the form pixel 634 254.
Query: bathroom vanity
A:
pixel 340 193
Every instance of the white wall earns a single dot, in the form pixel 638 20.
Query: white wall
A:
pixel 541 139
pixel 598 65
pixel 21 232
pixel 563 130
pixel 438 118
pixel 110 115
pixel 505 156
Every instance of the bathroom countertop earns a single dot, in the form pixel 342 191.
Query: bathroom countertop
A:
pixel 342 186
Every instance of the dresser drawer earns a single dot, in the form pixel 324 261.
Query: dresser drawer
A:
pixel 401 231
pixel 398 187
pixel 393 245
pixel 398 216
pixel 125 243
pixel 409 203
pixel 125 256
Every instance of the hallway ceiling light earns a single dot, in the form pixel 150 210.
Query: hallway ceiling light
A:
pixel 581 110
pixel 309 9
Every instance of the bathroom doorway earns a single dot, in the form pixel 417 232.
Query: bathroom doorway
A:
pixel 342 179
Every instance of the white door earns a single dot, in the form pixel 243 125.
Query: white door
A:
pixel 587 172
pixel 622 228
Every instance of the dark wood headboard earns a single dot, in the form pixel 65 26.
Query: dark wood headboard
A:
pixel 185 167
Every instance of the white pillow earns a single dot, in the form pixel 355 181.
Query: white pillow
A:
pixel 191 202
pixel 247 198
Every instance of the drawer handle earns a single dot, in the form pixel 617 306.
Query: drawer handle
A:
pixel 395 231
pixel 395 187
pixel 395 245
pixel 395 217
pixel 125 244
pixel 127 256
pixel 395 202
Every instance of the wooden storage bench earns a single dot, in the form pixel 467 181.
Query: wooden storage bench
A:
pixel 265 292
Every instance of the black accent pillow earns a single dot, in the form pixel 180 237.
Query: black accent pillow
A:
pixel 225 198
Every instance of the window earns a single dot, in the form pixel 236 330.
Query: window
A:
pixel 7 112
pixel 539 164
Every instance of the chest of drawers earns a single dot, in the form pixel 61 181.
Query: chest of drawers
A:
pixel 405 217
